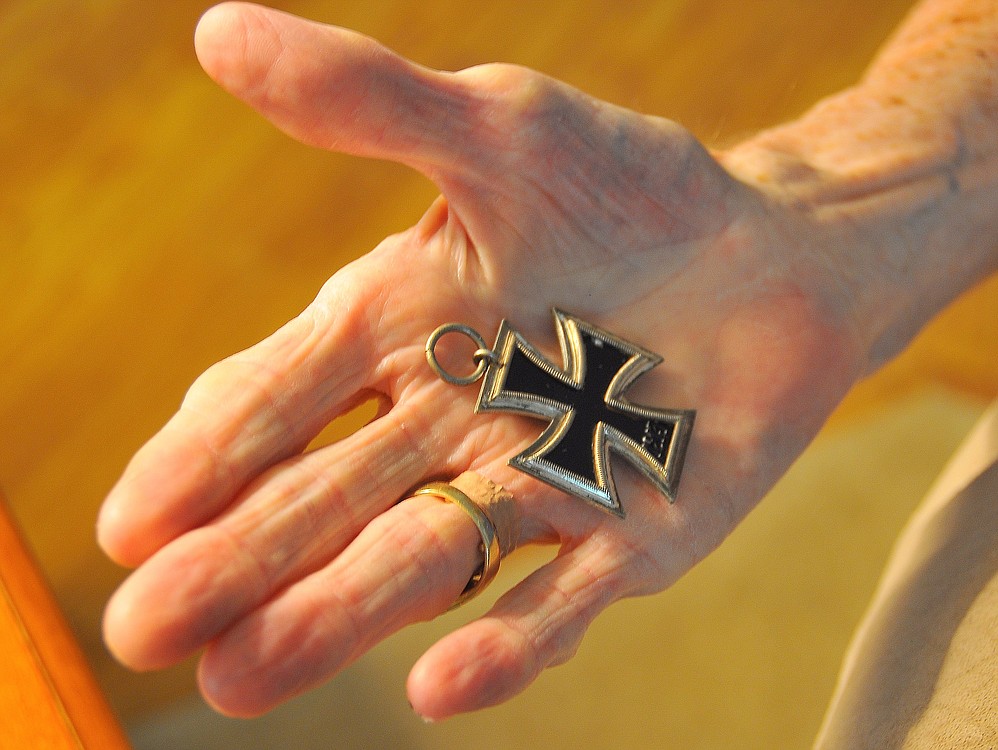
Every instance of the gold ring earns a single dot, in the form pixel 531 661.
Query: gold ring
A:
pixel 490 541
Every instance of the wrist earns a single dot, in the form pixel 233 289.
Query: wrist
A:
pixel 902 212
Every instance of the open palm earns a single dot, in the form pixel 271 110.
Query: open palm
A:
pixel 289 564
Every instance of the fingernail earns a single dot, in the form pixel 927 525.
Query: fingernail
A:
pixel 424 719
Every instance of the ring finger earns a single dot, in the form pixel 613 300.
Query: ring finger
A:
pixel 408 564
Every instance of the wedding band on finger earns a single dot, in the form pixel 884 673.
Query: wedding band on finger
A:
pixel 489 507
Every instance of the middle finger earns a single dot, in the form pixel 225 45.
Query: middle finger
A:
pixel 409 564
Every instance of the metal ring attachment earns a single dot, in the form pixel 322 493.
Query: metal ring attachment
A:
pixel 483 356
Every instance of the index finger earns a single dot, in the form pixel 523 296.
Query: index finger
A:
pixel 241 416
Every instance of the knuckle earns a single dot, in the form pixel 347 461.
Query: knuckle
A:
pixel 235 382
pixel 517 101
pixel 525 92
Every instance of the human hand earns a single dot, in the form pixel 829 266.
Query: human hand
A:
pixel 287 564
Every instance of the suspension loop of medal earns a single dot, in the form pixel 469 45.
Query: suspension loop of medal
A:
pixel 483 357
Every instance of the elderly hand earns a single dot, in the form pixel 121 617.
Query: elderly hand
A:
pixel 288 564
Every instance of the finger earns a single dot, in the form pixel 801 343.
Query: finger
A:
pixel 242 415
pixel 335 88
pixel 538 624
pixel 293 520
pixel 408 564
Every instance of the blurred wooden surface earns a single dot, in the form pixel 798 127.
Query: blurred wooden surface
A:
pixel 149 225
pixel 48 697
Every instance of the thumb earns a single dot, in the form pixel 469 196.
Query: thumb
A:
pixel 335 88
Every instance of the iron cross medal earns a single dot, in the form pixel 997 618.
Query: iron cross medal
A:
pixel 584 404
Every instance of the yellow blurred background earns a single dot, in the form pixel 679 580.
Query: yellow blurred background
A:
pixel 150 225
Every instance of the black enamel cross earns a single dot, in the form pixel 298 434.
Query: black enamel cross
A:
pixel 589 417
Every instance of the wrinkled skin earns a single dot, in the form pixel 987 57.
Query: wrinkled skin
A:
pixel 287 564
